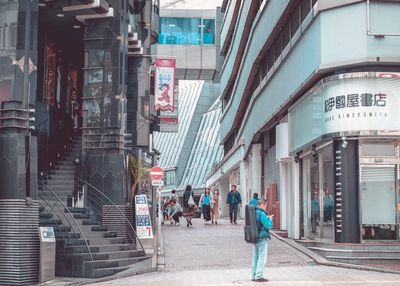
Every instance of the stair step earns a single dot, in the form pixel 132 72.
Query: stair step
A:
pixel 100 248
pixel 43 214
pixel 118 254
pixel 113 263
pixel 76 210
pixel 81 216
pixel 104 241
pixel 99 228
pixel 103 272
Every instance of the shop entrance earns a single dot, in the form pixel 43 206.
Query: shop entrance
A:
pixel 378 202
pixel 379 191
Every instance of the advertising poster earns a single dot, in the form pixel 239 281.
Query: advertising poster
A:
pixel 143 221
pixel 164 84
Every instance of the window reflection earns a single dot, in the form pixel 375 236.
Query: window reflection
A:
pixel 186 31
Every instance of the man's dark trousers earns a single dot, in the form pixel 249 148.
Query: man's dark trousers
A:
pixel 233 210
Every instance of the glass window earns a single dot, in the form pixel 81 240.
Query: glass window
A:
pixel 208 31
pixel 278 46
pixel 305 8
pixel 295 20
pixel 271 59
pixel 264 66
pixel 286 35
pixel 180 31
pixel 378 150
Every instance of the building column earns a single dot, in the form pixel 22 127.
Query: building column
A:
pixel 284 193
pixel 19 208
pixel 104 103
pixel 243 188
pixel 255 171
pixel 294 231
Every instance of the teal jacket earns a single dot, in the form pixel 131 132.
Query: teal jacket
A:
pixel 254 202
pixel 233 198
pixel 264 223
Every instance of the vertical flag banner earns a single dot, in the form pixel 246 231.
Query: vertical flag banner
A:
pixel 164 83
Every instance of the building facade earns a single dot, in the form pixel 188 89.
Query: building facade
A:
pixel 309 93
pixel 70 71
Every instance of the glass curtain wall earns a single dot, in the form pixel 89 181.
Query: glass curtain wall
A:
pixel 186 31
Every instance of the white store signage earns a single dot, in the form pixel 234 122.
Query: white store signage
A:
pixel 362 104
pixel 345 103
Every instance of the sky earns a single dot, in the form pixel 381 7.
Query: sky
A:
pixel 190 4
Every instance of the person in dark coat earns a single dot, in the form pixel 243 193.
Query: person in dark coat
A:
pixel 186 195
pixel 233 200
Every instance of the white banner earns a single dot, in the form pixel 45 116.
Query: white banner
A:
pixel 164 84
pixel 143 221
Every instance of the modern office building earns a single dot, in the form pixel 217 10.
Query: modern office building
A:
pixel 74 84
pixel 310 92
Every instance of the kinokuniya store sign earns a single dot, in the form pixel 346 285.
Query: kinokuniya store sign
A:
pixel 352 102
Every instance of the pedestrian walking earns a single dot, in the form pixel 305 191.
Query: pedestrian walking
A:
pixel 205 205
pixel 260 248
pixel 254 200
pixel 176 211
pixel 234 201
pixel 189 213
pixel 215 206
pixel 186 196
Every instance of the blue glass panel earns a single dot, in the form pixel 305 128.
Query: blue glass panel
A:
pixel 180 31
pixel 208 31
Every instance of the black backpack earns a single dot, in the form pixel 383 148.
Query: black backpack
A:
pixel 251 227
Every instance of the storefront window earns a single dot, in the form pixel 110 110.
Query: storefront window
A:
pixel 318 202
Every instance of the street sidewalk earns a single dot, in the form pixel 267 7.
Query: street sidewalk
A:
pixel 218 255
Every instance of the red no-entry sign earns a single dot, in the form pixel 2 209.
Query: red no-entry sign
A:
pixel 156 173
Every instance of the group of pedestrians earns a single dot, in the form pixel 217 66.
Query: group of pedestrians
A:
pixel 209 205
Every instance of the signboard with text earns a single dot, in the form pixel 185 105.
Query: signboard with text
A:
pixel 143 221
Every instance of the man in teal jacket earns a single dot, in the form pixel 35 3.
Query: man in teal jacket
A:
pixel 260 248
pixel 234 201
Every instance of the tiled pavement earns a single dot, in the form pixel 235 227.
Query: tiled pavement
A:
pixel 218 255
pixel 219 246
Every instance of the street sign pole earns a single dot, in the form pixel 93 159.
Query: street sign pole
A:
pixel 160 216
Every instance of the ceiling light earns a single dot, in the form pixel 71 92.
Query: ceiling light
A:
pixel 60 15
pixel 42 4
pixel 76 26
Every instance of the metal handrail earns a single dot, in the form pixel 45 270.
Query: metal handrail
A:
pixel 111 202
pixel 66 208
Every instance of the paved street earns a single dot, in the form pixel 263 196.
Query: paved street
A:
pixel 218 255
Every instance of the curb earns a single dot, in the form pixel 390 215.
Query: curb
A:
pixel 323 261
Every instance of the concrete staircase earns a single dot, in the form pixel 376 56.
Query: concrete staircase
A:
pixel 360 254
pixel 77 232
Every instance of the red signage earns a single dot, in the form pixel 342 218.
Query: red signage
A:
pixel 156 173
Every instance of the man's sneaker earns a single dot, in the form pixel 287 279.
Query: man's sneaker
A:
pixel 261 280
pixel 235 222
pixel 177 223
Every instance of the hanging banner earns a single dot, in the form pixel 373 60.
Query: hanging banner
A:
pixel 143 221
pixel 168 119
pixel 164 84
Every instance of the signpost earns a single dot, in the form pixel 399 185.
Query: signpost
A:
pixel 157 174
